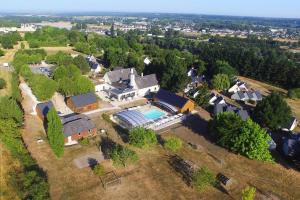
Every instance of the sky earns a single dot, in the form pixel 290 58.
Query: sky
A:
pixel 260 8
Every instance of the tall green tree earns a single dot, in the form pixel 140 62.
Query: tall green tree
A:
pixel 142 138
pixel 82 64
pixel 55 133
pixel 221 82
pixel 272 112
pixel 203 96
pixel 9 109
pixel 223 67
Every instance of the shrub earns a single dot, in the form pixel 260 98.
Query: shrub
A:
pixel 98 170
pixel 10 110
pixel 122 156
pixel 84 141
pixel 203 178
pixel 106 117
pixel 142 138
pixel 294 93
pixel 173 144
pixel 2 83
pixel 248 193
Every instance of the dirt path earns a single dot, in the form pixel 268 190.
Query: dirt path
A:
pixel 9 54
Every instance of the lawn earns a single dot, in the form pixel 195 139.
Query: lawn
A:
pixel 7 77
pixel 54 50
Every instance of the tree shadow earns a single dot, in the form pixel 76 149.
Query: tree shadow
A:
pixel 123 133
pixel 106 145
pixel 92 162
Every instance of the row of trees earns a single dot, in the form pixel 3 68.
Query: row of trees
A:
pixel 29 180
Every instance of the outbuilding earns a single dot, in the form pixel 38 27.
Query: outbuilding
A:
pixel 83 103
pixel 174 102
pixel 42 109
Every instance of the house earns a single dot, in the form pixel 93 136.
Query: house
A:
pixel 83 103
pixel 238 86
pixel 247 96
pixel 291 145
pixel 95 66
pixel 147 61
pixel 291 125
pixel 76 127
pixel 220 108
pixel 173 102
pixel 123 84
pixel 42 109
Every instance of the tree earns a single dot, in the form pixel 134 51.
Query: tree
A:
pixel 122 156
pixel 112 30
pixel 223 67
pixel 82 64
pixel 10 110
pixel 226 126
pixel 174 72
pixel 248 193
pixel 294 93
pixel 203 178
pixel 55 133
pixel 83 47
pixel 221 82
pixel 142 138
pixel 272 112
pixel 201 67
pixel 83 85
pixel 173 144
pixel 134 61
pixel 2 83
pixel 42 87
pixel 246 138
pixel 203 96
pixel 252 142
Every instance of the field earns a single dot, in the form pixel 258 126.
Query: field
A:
pixel 8 165
pixel 7 77
pixel 9 54
pixel 54 50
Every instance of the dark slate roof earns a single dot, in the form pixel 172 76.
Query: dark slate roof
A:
pixel 218 100
pixel 84 99
pixel 120 74
pixel 171 98
pixel 76 123
pixel 146 81
pixel 45 107
pixel 94 65
pixel 258 95
pixel 243 114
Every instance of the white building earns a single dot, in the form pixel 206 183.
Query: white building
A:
pixel 95 66
pixel 238 86
pixel 122 84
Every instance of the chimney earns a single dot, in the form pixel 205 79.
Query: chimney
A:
pixel 132 79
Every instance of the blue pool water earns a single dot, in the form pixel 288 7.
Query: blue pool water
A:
pixel 153 114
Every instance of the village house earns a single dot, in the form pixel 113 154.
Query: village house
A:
pixel 291 125
pixel 237 87
pixel 123 84
pixel 95 66
pixel 76 127
pixel 220 108
pixel 83 103
pixel 247 96
pixel 173 102
pixel 42 109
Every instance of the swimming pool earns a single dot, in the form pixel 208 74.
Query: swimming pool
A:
pixel 153 114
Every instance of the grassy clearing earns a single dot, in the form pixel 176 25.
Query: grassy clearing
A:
pixel 9 54
pixel 7 77
pixel 54 50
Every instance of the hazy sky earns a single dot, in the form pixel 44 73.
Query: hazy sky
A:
pixel 265 8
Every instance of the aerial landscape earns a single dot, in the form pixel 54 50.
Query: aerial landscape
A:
pixel 149 100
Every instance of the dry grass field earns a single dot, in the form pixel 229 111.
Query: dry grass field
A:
pixel 7 77
pixel 8 165
pixel 54 50
pixel 9 54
